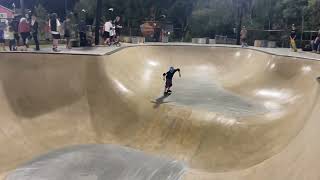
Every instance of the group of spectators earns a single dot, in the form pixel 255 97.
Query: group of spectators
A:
pixel 24 29
pixel 112 30
pixel 20 31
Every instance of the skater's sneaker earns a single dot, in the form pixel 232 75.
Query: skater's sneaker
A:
pixel 169 91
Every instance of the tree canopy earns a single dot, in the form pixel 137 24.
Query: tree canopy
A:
pixel 209 17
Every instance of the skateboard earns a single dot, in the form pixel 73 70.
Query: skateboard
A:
pixel 293 45
pixel 168 93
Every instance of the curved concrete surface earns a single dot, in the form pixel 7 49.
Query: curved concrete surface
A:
pixel 235 113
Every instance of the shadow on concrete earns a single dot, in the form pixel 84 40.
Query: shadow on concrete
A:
pixel 160 101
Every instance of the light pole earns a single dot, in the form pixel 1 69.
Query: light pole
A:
pixel 22 7
pixel 98 18
pixel 66 6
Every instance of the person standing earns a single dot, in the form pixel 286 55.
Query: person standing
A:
pixel 24 30
pixel 15 27
pixel 34 30
pixel 315 44
pixel 83 33
pixel 118 28
pixel 12 40
pixel 67 31
pixel 243 37
pixel 54 27
pixel 2 40
pixel 107 32
pixel 293 36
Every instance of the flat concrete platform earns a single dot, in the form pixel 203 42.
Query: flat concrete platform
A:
pixel 106 50
pixel 235 114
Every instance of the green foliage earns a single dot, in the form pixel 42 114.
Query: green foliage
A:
pixel 42 16
pixel 210 17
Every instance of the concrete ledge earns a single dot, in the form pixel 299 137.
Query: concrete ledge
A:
pixel 265 44
pixel 212 41
pixel 200 40
pixel 125 39
pixel 138 40
pixel 272 44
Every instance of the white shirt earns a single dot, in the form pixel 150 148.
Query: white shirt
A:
pixel 58 27
pixel 32 22
pixel 108 26
pixel 10 35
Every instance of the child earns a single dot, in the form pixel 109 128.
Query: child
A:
pixel 293 36
pixel 12 40
pixel 169 76
pixel 2 41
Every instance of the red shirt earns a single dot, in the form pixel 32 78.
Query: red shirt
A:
pixel 24 27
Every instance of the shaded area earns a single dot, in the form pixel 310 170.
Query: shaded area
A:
pixel 161 100
pixel 99 162
pixel 41 84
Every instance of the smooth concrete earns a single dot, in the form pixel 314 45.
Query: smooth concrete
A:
pixel 98 162
pixel 269 132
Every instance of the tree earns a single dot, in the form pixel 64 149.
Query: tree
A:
pixel 212 17
pixel 42 15
pixel 180 13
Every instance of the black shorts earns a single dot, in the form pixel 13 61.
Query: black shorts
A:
pixel 16 36
pixel 25 35
pixel 106 34
pixel 67 34
pixel 2 41
pixel 168 83
pixel 56 36
pixel 118 32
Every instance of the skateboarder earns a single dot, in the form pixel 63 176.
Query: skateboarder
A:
pixel 293 36
pixel 168 78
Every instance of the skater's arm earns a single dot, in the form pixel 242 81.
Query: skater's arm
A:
pixel 164 75
pixel 179 72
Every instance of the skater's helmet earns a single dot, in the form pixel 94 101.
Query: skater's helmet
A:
pixel 171 69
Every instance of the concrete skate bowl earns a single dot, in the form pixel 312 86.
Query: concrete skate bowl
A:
pixel 234 114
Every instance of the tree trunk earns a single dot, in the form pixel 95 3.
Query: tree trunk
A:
pixel 98 19
pixel 22 8
pixel 239 25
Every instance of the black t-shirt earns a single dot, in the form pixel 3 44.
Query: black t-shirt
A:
pixel 15 25
pixel 53 24
pixel 35 27
pixel 169 75
pixel 293 34
pixel 117 25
